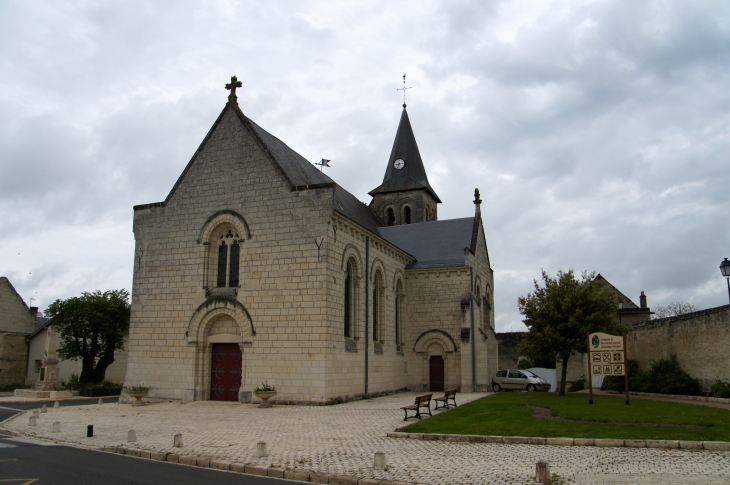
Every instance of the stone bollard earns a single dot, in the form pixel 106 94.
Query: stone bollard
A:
pixel 379 463
pixel 56 427
pixel 31 421
pixel 261 449
pixel 131 436
pixel 101 401
pixel 56 405
pixel 36 414
pixel 542 472
pixel 44 409
pixel 177 441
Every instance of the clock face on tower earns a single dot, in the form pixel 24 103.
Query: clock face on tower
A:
pixel 399 164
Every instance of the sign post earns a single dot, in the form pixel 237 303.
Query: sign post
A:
pixel 590 378
pixel 607 357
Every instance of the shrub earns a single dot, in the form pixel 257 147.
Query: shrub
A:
pixel 720 389
pixel 72 384
pixel 578 385
pixel 668 377
pixel 665 376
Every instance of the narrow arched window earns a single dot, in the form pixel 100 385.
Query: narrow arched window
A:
pixel 222 264
pixel 428 214
pixel 348 302
pixel 397 313
pixel 376 307
pixel 390 217
pixel 233 270
pixel 407 215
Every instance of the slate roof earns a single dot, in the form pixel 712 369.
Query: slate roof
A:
pixel 435 243
pixel 413 175
pixel 300 173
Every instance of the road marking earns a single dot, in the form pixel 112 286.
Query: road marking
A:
pixel 20 481
pixel 6 445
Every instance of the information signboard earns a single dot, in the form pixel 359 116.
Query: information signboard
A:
pixel 607 357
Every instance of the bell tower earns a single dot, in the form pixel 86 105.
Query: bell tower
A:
pixel 405 196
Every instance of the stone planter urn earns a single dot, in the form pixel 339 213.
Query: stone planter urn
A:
pixel 138 394
pixel 265 396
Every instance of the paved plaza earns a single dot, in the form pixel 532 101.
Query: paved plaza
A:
pixel 342 439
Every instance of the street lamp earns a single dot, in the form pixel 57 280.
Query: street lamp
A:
pixel 725 270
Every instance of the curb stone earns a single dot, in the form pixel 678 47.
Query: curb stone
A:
pixel 276 472
pixel 342 480
pixel 600 442
pixel 220 465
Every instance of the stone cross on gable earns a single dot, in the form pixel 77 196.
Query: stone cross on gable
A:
pixel 235 83
pixel 477 201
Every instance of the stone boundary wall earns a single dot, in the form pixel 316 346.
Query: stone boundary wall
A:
pixel 699 340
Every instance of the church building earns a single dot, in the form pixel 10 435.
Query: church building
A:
pixel 258 267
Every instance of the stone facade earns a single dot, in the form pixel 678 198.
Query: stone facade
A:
pixel 252 247
pixel 17 321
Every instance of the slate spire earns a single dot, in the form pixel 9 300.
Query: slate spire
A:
pixel 412 174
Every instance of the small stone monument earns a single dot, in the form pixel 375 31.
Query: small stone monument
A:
pixel 542 472
pixel 131 436
pixel 56 405
pixel 261 449
pixel 56 427
pixel 36 413
pixel 101 401
pixel 44 409
pixel 31 421
pixel 177 440
pixel 379 463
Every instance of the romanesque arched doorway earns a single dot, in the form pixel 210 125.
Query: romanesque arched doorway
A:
pixel 225 372
pixel 436 373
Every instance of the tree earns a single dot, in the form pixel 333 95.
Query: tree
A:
pixel 91 327
pixel 673 309
pixel 562 312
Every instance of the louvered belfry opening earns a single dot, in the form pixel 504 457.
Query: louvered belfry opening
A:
pixel 229 252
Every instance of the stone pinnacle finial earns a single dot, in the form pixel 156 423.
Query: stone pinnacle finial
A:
pixel 477 201
pixel 235 83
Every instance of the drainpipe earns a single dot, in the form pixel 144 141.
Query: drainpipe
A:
pixel 473 345
pixel 367 309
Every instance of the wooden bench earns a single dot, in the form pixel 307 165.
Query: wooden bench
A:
pixel 420 402
pixel 450 394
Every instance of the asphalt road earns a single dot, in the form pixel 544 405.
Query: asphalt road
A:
pixel 25 462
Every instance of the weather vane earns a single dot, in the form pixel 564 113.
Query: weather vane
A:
pixel 323 163
pixel 404 90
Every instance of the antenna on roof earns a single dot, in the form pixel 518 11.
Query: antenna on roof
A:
pixel 404 90
pixel 323 163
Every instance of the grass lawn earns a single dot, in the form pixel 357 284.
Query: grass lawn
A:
pixel 507 414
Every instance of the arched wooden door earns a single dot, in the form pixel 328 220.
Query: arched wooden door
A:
pixel 225 378
pixel 436 373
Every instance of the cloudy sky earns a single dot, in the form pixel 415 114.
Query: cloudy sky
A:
pixel 598 131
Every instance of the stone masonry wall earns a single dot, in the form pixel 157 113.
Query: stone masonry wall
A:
pixel 16 323
pixel 15 315
pixel 387 371
pixel 281 276
pixel 699 340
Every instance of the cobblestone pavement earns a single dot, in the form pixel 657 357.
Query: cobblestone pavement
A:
pixel 342 439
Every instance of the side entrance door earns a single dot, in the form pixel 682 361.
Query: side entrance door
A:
pixel 225 378
pixel 436 373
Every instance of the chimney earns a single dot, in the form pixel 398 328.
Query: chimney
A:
pixel 34 311
pixel 642 300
